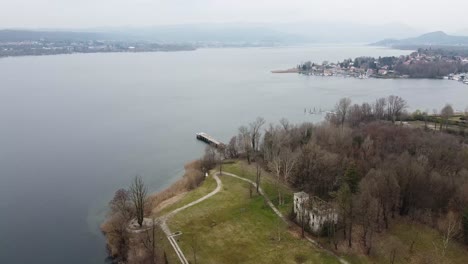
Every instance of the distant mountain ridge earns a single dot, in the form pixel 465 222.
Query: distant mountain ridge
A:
pixel 437 38
pixel 302 32
pixel 283 34
pixel 161 34
pixel 33 35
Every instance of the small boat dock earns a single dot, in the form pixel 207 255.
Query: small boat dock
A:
pixel 293 70
pixel 209 139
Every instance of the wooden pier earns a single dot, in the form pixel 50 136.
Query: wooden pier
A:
pixel 209 139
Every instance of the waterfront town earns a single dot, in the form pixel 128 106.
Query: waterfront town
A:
pixel 424 63
pixel 54 47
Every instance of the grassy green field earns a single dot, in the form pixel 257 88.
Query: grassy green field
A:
pixel 268 184
pixel 231 227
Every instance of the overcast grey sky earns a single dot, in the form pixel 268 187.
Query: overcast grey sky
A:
pixel 425 14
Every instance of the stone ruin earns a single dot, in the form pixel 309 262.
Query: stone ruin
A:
pixel 314 211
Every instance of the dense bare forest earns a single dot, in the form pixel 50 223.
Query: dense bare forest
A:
pixel 369 166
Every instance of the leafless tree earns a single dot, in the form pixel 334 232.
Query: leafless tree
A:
pixel 344 200
pixel 445 114
pixel 379 108
pixel 366 111
pixel 209 159
pixel 332 233
pixel 355 115
pixel 279 225
pixel 395 107
pixel 367 208
pixel 286 125
pixel 316 170
pixel 245 142
pixel 289 160
pixel 255 133
pixel 281 160
pixel 452 226
pixel 367 148
pixel 138 194
pixel 434 114
pixel 275 139
pixel 220 156
pixel 386 191
pixel 117 237
pixel 341 110
pixel 275 165
pixel 121 204
pixel 232 148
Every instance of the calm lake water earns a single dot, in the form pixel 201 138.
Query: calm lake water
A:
pixel 75 128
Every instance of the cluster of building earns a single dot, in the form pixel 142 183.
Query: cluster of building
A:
pixel 337 69
pixel 463 77
pixel 427 56
pixel 415 65
pixel 46 47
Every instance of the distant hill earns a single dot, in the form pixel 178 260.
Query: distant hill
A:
pixel 30 35
pixel 162 34
pixel 437 38
pixel 210 33
pixel 225 33
pixel 347 32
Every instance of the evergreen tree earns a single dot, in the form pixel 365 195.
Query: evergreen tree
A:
pixel 352 178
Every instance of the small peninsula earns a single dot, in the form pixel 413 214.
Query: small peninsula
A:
pixel 371 184
pixel 436 56
pixel 442 63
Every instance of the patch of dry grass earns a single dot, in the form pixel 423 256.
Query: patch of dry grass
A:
pixel 192 178
pixel 205 188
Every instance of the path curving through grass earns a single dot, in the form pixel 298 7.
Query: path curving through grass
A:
pixel 162 221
